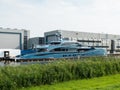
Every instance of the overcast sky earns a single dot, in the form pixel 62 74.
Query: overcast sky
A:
pixel 39 16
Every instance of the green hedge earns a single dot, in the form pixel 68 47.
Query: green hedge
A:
pixel 12 78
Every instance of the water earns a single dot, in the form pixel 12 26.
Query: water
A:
pixel 10 64
pixel 2 64
pixel 23 63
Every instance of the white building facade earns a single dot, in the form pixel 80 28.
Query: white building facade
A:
pixel 109 41
pixel 14 38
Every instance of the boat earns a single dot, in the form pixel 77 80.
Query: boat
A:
pixel 64 49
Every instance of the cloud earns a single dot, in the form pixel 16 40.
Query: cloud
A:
pixel 40 16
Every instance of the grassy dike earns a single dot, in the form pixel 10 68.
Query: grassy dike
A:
pixel 12 78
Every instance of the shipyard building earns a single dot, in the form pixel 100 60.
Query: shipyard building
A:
pixel 109 41
pixel 14 38
pixel 36 41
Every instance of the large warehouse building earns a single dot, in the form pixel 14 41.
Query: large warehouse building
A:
pixel 108 41
pixel 14 38
pixel 36 41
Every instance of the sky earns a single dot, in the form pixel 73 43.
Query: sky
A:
pixel 39 16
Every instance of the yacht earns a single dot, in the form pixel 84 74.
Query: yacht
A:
pixel 64 49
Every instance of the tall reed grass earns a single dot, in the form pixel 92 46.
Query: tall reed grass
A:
pixel 12 78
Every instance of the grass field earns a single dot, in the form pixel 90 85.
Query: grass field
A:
pixel 111 82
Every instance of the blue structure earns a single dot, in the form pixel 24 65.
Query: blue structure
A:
pixel 28 51
pixel 64 49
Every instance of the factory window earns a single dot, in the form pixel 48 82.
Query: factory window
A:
pixel 41 41
pixel 118 46
pixel 93 41
pixel 25 42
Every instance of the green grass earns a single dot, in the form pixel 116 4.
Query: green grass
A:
pixel 111 82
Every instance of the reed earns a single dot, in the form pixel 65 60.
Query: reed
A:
pixel 12 78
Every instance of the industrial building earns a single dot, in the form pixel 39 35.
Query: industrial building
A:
pixel 109 41
pixel 36 41
pixel 14 38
